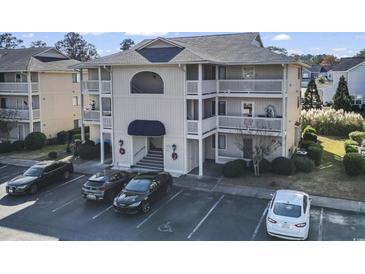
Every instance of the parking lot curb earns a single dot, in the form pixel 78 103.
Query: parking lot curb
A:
pixel 264 193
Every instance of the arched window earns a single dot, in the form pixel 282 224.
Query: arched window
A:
pixel 147 82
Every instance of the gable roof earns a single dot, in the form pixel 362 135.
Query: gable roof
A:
pixel 34 59
pixel 317 69
pixel 236 48
pixel 347 63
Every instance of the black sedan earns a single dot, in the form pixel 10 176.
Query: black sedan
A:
pixel 105 185
pixel 142 191
pixel 39 175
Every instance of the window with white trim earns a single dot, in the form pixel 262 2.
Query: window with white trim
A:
pixel 75 78
pixel 356 99
pixel 75 100
pixel 222 141
pixel 222 109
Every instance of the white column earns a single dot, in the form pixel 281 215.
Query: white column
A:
pixel 30 101
pixel 200 118
pixel 200 157
pixel 284 109
pixel 101 120
pixel 216 111
pixel 112 115
pixel 82 106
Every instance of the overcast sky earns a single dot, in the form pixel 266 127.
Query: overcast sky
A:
pixel 339 44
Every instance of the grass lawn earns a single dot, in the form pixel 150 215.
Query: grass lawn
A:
pixel 328 179
pixel 41 154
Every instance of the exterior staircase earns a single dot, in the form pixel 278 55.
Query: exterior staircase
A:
pixel 152 161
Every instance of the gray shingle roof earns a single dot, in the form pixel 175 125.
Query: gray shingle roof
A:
pixel 347 63
pixel 24 59
pixel 317 68
pixel 240 48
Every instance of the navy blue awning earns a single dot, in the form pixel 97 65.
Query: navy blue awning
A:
pixel 146 128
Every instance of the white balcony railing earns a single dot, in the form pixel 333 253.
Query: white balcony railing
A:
pixel 36 114
pixel 14 114
pixel 209 124
pixel 9 87
pixel 107 122
pixel 193 127
pixel 92 86
pixel 250 123
pixel 92 115
pixel 251 86
pixel 209 86
pixel 192 87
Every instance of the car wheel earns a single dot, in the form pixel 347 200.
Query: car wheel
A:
pixel 33 189
pixel 66 175
pixel 168 189
pixel 145 207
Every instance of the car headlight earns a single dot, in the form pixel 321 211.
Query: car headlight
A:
pixel 135 204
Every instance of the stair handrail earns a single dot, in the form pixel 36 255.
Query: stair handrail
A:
pixel 139 151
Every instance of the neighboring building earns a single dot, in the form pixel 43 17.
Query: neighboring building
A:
pixel 172 103
pixel 353 69
pixel 312 72
pixel 38 91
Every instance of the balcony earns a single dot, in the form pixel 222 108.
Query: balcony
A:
pixel 208 87
pixel 208 125
pixel 93 86
pixel 18 114
pixel 92 116
pixel 250 123
pixel 256 87
pixel 107 122
pixel 17 88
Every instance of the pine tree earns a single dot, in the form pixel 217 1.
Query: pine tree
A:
pixel 342 99
pixel 311 96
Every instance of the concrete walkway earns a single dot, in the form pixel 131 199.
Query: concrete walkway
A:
pixel 214 184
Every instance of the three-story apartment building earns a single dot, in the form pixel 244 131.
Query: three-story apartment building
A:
pixel 38 92
pixel 172 103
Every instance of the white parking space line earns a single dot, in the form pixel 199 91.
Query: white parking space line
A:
pixel 102 212
pixel 66 183
pixel 1 167
pixel 153 213
pixel 205 217
pixel 260 222
pixel 320 229
pixel 64 205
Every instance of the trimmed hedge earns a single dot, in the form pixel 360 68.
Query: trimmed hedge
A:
pixel 308 136
pixel 309 129
pixel 351 148
pixel 232 169
pixel 306 143
pixel 6 147
pixel 35 140
pixel 89 151
pixel 357 136
pixel 18 145
pixel 315 153
pixel 353 163
pixel 265 166
pixel 304 164
pixel 283 166
pixel 62 137
pixel 52 155
pixel 350 142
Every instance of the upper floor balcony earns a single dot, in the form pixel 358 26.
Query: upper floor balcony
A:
pixel 96 86
pixel 17 88
pixel 18 114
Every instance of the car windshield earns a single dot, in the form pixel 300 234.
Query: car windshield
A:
pixel 138 185
pixel 287 210
pixel 34 171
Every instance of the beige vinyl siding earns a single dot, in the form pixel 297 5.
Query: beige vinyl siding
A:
pixel 167 108
pixel 57 111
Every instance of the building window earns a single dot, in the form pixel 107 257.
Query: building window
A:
pixel 76 123
pixel 147 82
pixel 213 141
pixel 298 101
pixel 222 142
pixel 222 110
pixel 247 109
pixel 299 73
pixel 248 72
pixel 213 108
pixel 222 73
pixel 356 99
pixel 18 77
pixel 75 78
pixel 75 100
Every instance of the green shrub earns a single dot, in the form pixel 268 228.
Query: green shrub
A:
pixel 315 153
pixel 357 136
pixel 88 151
pixel 6 147
pixel 304 164
pixel 35 140
pixel 242 163
pixel 309 129
pixel 350 142
pixel 308 136
pixel 353 164
pixel 76 137
pixel 62 137
pixel 232 169
pixel 52 155
pixel 265 166
pixel 306 143
pixel 283 166
pixel 18 145
pixel 351 148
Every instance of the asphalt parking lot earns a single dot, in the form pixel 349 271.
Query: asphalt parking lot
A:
pixel 59 212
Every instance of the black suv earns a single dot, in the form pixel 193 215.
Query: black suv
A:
pixel 142 191
pixel 105 185
pixel 39 175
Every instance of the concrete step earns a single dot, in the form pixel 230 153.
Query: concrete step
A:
pixel 153 161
